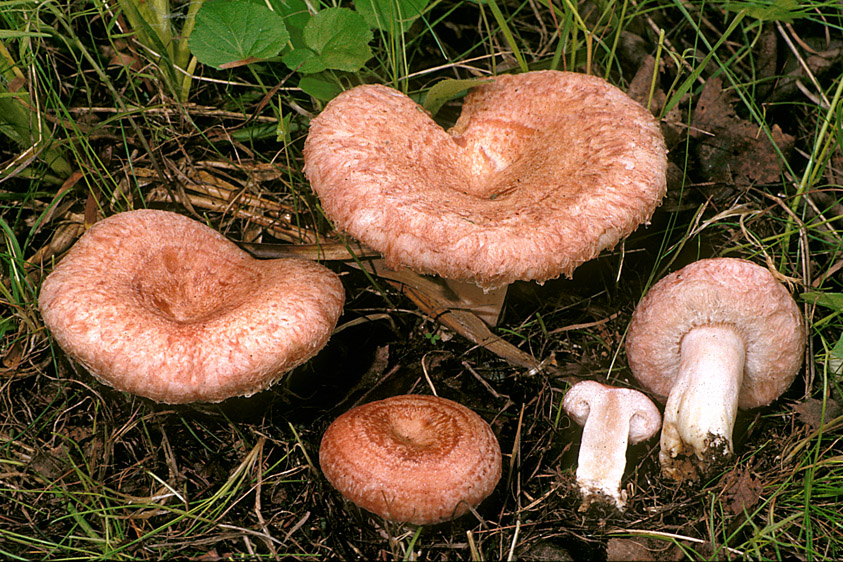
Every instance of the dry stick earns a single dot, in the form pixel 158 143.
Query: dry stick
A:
pixel 422 292
pixel 328 251
pixel 799 40
pixel 461 64
pixel 584 325
pixel 200 110
pixel 290 234
pixel 225 199
pixel 211 185
pixel 258 492
pixel 662 534
pixel 427 375
pixel 803 64
pixel 484 382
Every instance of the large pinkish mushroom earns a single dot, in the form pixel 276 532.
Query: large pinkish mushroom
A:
pixel 412 459
pixel 159 305
pixel 612 418
pixel 717 335
pixel 541 172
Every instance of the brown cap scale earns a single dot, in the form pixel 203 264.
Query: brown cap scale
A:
pixel 542 171
pixel 162 306
pixel 612 418
pixel 412 459
pixel 718 335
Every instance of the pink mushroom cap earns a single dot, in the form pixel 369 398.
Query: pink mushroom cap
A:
pixel 719 291
pixel 162 306
pixel 541 172
pixel 412 459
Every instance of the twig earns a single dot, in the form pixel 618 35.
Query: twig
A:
pixel 483 381
pixel 826 104
pixel 584 325
pixel 663 534
pixel 427 375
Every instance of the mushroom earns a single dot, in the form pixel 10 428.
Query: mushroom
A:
pixel 718 335
pixel 540 173
pixel 159 305
pixel 612 418
pixel 412 459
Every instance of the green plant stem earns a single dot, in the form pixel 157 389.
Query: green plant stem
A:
pixel 26 125
pixel 507 33
pixel 827 137
pixel 151 22
pixel 182 51
pixel 689 81
pixel 617 39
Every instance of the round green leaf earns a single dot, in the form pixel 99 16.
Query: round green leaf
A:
pixel 231 33
pixel 392 16
pixel 341 38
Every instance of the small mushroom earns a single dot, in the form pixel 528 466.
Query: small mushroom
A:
pixel 541 172
pixel 612 418
pixel 162 306
pixel 412 459
pixel 718 335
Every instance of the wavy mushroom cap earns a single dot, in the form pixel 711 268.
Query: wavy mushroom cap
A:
pixel 412 459
pixel 727 292
pixel 541 172
pixel 159 305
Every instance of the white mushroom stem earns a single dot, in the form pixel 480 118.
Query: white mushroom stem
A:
pixel 700 412
pixel 602 459
pixel 612 418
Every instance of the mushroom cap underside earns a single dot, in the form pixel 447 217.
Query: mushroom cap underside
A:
pixel 159 305
pixel 414 459
pixel 541 172
pixel 719 292
pixel 641 416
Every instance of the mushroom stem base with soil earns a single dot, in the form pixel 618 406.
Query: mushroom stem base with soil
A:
pixel 700 413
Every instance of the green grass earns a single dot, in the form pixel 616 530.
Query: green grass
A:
pixel 96 119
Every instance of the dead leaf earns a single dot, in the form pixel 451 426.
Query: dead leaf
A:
pixel 810 412
pixel 12 358
pixel 742 490
pixel 731 150
pixel 628 549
